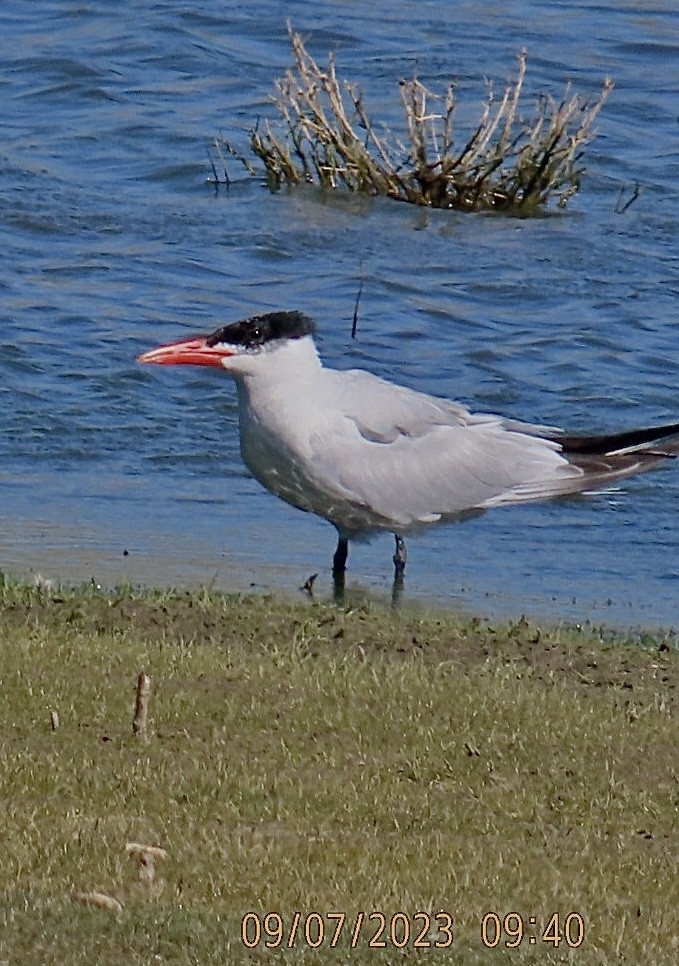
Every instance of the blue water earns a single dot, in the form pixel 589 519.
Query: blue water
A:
pixel 113 241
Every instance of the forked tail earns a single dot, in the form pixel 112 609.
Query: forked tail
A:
pixel 605 458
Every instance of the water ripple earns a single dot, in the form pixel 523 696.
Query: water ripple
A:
pixel 113 242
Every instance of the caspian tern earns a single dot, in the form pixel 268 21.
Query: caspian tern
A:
pixel 369 455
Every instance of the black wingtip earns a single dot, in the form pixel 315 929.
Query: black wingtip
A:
pixel 610 444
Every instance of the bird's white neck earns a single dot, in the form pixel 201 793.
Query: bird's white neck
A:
pixel 276 392
pixel 285 364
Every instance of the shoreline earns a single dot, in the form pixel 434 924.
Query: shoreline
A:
pixel 161 574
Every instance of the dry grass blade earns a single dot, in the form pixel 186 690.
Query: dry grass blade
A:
pixel 100 900
pixel 147 856
pixel 505 165
pixel 136 849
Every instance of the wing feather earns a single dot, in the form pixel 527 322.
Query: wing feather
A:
pixel 411 459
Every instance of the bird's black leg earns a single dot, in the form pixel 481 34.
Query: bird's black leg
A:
pixel 339 566
pixel 400 557
pixel 339 561
pixel 399 569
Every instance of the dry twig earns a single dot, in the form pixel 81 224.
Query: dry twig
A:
pixel 141 706
pixel 146 856
pixel 100 900
pixel 505 165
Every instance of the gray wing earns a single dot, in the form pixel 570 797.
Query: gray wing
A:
pixel 411 459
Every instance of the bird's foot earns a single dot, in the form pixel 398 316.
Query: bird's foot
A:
pixel 338 586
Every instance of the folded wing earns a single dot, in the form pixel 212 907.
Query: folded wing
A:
pixel 413 460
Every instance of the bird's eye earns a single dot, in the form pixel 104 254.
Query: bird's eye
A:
pixel 256 335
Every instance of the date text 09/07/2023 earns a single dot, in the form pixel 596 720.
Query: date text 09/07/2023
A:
pixel 422 930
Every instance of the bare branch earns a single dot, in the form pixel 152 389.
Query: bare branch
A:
pixel 505 164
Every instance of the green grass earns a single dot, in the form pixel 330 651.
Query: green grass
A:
pixel 303 758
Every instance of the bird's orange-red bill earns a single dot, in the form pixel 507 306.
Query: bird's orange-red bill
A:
pixel 186 352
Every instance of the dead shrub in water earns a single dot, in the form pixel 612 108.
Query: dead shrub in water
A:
pixel 507 164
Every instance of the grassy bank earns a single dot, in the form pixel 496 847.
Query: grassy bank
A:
pixel 302 758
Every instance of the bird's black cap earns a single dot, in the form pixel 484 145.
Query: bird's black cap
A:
pixel 260 329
